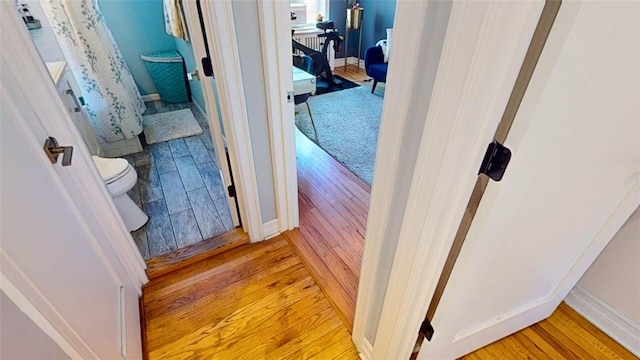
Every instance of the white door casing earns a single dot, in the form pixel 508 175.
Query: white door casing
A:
pixel 67 258
pixel 219 25
pixel 484 45
pixel 572 182
pixel 206 83
pixel 275 23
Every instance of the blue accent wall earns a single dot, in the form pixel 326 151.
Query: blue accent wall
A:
pixel 186 50
pixel 138 27
pixel 378 16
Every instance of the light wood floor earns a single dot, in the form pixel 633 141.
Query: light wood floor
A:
pixel 333 217
pixel 256 301
pixel 564 335
pixel 359 77
pixel 260 301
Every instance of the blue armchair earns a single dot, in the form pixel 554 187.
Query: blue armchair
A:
pixel 375 66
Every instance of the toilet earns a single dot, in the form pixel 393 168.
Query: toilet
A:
pixel 120 177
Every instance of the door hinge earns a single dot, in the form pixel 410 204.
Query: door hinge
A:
pixel 495 161
pixel 427 329
pixel 207 67
pixel 232 190
pixel 290 96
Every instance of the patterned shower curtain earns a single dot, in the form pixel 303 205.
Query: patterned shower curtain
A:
pixel 113 103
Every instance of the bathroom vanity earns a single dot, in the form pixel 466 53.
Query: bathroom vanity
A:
pixel 69 92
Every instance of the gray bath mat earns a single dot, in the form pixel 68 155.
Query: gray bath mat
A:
pixel 170 125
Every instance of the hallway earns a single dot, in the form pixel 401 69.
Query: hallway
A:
pixel 256 301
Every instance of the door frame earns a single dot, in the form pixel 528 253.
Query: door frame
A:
pixel 468 62
pixel 222 40
pixel 196 39
pixel 461 123
pixel 90 182
pixel 110 237
pixel 274 19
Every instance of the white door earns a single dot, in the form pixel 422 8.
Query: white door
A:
pixel 572 181
pixel 193 19
pixel 66 261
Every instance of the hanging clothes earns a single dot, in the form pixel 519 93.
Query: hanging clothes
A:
pixel 173 19
pixel 112 100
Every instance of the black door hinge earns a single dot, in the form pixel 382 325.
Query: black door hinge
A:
pixel 232 190
pixel 495 161
pixel 426 329
pixel 207 68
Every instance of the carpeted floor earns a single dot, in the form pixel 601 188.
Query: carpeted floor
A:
pixel 347 124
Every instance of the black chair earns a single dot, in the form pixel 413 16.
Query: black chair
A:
pixel 306 64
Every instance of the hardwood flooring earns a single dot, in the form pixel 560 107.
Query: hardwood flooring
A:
pixel 256 301
pixel 293 297
pixel 333 217
pixel 360 77
pixel 564 335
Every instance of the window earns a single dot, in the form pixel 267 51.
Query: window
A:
pixel 307 10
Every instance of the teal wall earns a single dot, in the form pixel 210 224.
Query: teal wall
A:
pixel 378 16
pixel 138 27
pixel 186 50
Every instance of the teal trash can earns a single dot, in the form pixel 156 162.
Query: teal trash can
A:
pixel 169 75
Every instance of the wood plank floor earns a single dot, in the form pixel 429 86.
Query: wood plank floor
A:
pixel 260 301
pixel 360 77
pixel 256 301
pixel 564 335
pixel 333 215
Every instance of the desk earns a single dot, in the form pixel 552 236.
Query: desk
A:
pixel 303 82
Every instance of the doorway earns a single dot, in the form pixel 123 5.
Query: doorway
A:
pixel 333 201
pixel 181 181
pixel 340 59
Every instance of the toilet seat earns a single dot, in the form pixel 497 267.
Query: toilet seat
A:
pixel 111 169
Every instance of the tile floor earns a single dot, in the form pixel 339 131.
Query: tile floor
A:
pixel 180 189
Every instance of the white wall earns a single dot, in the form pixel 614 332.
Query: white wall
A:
pixel 247 26
pixel 615 275
pixel 21 338
pixel 44 38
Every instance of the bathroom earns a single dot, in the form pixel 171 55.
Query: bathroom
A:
pixel 166 180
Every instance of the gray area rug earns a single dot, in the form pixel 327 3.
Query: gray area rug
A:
pixel 170 125
pixel 347 124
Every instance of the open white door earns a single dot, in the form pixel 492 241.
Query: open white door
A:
pixel 198 43
pixel 67 260
pixel 572 182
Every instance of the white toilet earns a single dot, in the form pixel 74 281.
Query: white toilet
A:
pixel 120 177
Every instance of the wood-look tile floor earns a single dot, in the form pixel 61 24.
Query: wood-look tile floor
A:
pixel 179 187
pixel 256 301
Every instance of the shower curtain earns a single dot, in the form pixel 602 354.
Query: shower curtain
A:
pixel 112 100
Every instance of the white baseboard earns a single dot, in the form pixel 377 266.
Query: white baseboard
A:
pixel 367 350
pixel 151 97
pixel 613 323
pixel 270 229
pixel 351 60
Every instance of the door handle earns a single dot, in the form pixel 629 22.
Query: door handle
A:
pixel 52 150
pixel 75 101
pixel 193 74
